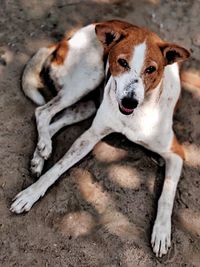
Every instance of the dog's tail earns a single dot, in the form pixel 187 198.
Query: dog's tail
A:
pixel 31 81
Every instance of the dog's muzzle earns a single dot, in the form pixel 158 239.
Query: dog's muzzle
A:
pixel 127 105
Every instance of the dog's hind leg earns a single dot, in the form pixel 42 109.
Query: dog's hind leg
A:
pixel 68 96
pixel 81 147
pixel 71 115
pixel 44 115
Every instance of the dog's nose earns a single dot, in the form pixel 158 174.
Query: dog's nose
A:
pixel 129 102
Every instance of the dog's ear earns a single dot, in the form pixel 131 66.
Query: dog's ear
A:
pixel 109 35
pixel 173 53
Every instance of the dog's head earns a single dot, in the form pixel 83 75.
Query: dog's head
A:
pixel 137 58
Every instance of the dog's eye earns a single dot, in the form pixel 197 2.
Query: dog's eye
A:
pixel 150 69
pixel 122 62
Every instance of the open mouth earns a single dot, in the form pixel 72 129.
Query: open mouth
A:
pixel 125 111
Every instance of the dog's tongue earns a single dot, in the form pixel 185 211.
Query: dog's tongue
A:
pixel 126 111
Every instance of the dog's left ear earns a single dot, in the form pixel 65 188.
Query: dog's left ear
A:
pixel 109 35
pixel 173 53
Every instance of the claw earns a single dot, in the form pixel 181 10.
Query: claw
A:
pixel 37 164
pixel 160 239
pixel 25 199
pixel 44 146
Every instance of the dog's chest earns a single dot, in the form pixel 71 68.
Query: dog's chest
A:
pixel 146 126
pixel 143 125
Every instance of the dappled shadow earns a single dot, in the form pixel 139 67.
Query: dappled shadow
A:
pixel 125 183
pixel 112 219
pixel 77 224
pixel 192 155
pixel 154 2
pixel 124 176
pixel 111 155
pixel 189 220
pixel 191 81
pixel 107 153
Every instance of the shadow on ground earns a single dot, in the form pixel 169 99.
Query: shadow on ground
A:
pixel 101 212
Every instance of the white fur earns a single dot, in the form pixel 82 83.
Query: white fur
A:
pixel 150 124
pixel 30 78
pixel 137 61
pixel 127 78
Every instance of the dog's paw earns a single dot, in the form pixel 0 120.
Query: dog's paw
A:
pixel 25 199
pixel 45 147
pixel 37 164
pixel 161 237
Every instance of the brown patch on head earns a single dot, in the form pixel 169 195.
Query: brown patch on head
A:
pixel 111 32
pixel 177 148
pixel 120 38
pixel 154 63
pixel 159 54
pixel 125 49
pixel 59 55
pixel 173 53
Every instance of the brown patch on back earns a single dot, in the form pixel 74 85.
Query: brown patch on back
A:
pixel 59 55
pixel 51 46
pixel 177 148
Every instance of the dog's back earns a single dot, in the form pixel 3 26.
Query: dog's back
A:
pixel 81 54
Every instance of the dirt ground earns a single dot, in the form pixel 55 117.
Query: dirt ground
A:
pixel 101 212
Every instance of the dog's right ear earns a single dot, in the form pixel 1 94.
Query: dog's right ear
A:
pixel 109 35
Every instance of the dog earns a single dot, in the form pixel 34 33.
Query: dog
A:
pixel 140 95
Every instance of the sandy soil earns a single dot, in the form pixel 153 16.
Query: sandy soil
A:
pixel 101 212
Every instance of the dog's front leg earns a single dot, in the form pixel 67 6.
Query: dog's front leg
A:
pixel 161 235
pixel 82 146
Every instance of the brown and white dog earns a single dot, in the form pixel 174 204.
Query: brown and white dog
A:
pixel 141 92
